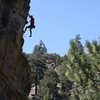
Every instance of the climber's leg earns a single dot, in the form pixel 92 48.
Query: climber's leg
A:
pixel 30 32
pixel 26 28
pixel 31 27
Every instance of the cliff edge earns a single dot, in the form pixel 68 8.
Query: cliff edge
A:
pixel 15 74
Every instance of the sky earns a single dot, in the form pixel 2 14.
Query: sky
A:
pixel 59 21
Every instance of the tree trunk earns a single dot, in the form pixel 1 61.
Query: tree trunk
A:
pixel 36 85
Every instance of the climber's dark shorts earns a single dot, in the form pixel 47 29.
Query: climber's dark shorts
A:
pixel 30 26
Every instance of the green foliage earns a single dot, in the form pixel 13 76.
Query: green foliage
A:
pixel 76 76
pixel 84 70
pixel 37 63
pixel 48 88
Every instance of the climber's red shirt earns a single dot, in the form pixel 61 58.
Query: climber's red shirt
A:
pixel 32 22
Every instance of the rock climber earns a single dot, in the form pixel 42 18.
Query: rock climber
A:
pixel 31 26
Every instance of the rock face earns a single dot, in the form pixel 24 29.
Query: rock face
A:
pixel 15 77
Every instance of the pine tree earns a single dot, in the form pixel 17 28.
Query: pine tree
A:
pixel 37 63
pixel 48 88
pixel 83 70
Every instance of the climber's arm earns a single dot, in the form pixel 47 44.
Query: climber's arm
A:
pixel 29 15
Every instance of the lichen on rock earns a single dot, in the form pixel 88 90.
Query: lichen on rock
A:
pixel 15 74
